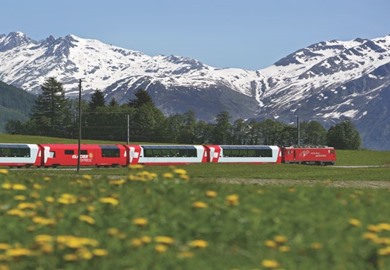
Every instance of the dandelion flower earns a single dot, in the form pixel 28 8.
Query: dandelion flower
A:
pixel 168 175
pixel 280 239
pixel 109 200
pixel 100 252
pixel 166 240
pixel 211 193
pixel 160 248
pixel 140 222
pixel 354 222
pixel 87 219
pixel 198 243
pixel 19 187
pixel 199 205
pixel 18 252
pixel 270 264
pixel 232 199
pixel 270 243
pixel 3 171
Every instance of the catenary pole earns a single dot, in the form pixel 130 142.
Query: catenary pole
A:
pixel 79 140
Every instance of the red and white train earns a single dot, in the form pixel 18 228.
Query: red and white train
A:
pixel 54 155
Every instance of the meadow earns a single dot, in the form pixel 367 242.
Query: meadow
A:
pixel 187 218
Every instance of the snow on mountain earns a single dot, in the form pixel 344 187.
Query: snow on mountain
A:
pixel 326 81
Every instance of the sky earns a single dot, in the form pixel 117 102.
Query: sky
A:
pixel 248 34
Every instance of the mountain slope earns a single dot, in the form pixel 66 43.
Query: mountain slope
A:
pixel 326 81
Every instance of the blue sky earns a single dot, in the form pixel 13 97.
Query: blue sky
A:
pixel 249 34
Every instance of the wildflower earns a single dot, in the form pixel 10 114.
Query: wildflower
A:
pixel 20 197
pixel 384 226
pixel 185 254
pixel 37 186
pixel 4 246
pixel 3 171
pixel 43 238
pixel 384 251
pixel 87 219
pixel 270 264
pixel 168 175
pixel 211 193
pixel 140 222
pixel 180 171
pixel 67 199
pixel 16 212
pixel 160 248
pixel 354 222
pixel 46 178
pixel 135 166
pixel 19 187
pixel 118 182
pixel 232 199
pixel 280 239
pixel 284 248
pixel 316 245
pixel 18 252
pixel 136 242
pixel 44 221
pixel 6 186
pixel 26 205
pixel 166 240
pixel 113 231
pixel 109 200
pixel 49 199
pixel 70 257
pixel 84 253
pixel 184 177
pixel 198 243
pixel 146 239
pixel 370 236
pixel 87 177
pixel 100 252
pixel 199 205
pixel 373 228
pixel 270 244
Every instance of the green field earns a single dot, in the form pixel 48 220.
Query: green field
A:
pixel 188 217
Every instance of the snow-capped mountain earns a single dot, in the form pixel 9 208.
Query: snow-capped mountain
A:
pixel 325 82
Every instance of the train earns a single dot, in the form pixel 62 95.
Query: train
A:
pixel 116 155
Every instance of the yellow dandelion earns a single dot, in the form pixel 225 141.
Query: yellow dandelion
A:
pixel 84 254
pixel 43 238
pixel 280 239
pixel 67 199
pixel 50 199
pixel 370 236
pixel 136 242
pixel 16 212
pixel 185 254
pixel 6 186
pixel 184 177
pixel 166 240
pixel 180 171
pixel 109 200
pixel 117 182
pixel 87 219
pixel 373 228
pixel 113 231
pixel 146 239
pixel 354 222
pixel 384 226
pixel 19 187
pixel 199 205
pixel 284 248
pixel 140 222
pixel 135 166
pixel 20 197
pixel 211 193
pixel 168 175
pixel 270 244
pixel 384 251
pixel 160 248
pixel 270 264
pixel 18 252
pixel 198 243
pixel 100 252
pixel 4 246
pixel 316 245
pixel 87 177
pixel 26 205
pixel 3 171
pixel 232 199
pixel 46 178
pixel 43 221
pixel 70 257
pixel 37 186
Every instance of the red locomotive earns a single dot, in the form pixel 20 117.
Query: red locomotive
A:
pixel 54 155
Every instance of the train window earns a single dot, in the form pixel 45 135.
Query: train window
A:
pixel 14 151
pixel 244 151
pixel 83 152
pixel 170 151
pixel 69 152
pixel 110 151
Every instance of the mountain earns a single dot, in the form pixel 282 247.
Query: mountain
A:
pixel 326 81
pixel 15 104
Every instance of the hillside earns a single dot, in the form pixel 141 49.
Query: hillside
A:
pixel 327 81
pixel 15 104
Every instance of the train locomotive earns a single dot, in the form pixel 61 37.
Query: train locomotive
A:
pixel 99 155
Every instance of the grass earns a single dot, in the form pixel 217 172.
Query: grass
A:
pixel 155 218
pixel 146 220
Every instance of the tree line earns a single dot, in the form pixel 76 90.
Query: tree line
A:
pixel 55 115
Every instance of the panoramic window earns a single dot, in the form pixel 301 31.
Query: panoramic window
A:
pixel 14 151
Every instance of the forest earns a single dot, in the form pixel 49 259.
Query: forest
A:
pixel 139 120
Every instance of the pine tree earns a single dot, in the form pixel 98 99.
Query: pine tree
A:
pixel 97 100
pixel 142 98
pixel 51 111
pixel 344 136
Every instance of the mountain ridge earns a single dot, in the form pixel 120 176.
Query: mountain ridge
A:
pixel 326 81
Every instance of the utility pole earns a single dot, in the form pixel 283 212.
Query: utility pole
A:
pixel 79 140
pixel 299 132
pixel 128 129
